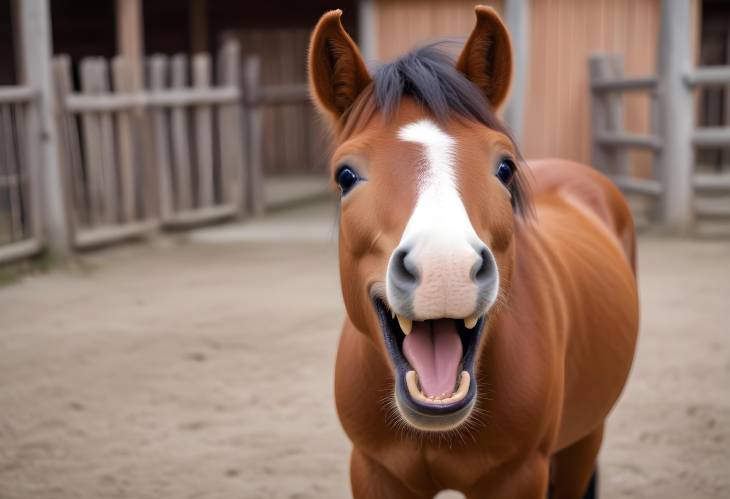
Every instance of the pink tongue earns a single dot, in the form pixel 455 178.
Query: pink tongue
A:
pixel 434 350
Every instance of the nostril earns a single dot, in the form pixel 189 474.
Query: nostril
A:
pixel 484 268
pixel 403 272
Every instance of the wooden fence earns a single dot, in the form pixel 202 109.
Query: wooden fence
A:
pixel 293 139
pixel 168 155
pixel 684 195
pixel 20 228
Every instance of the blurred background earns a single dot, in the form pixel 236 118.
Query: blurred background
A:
pixel 169 298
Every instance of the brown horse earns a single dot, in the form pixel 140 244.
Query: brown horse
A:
pixel 491 321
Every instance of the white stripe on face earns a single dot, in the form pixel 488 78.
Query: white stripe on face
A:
pixel 439 238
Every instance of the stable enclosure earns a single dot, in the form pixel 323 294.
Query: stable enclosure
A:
pixel 165 116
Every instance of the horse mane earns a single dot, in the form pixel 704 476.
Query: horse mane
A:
pixel 428 76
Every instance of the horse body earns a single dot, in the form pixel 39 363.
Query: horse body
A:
pixel 552 367
pixel 487 337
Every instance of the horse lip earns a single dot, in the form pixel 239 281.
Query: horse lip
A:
pixel 401 367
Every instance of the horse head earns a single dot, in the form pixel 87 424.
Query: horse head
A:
pixel 431 190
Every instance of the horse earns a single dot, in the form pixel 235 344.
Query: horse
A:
pixel 491 302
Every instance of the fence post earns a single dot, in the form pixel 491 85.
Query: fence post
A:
pixel 34 55
pixel 254 170
pixel 517 16
pixel 607 115
pixel 676 116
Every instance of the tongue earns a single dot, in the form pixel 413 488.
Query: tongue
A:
pixel 434 350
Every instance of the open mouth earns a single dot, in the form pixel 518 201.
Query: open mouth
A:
pixel 434 364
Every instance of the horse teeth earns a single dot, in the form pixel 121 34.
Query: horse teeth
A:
pixel 470 322
pixel 405 324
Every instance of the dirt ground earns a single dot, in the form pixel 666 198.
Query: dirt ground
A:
pixel 201 367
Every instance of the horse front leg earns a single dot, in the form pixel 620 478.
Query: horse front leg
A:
pixel 522 479
pixel 370 480
pixel 575 465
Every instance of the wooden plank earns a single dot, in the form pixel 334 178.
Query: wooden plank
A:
pixel 26 170
pixel 232 136
pixel 606 116
pixel 200 216
pixel 93 159
pixel 648 187
pixel 287 93
pixel 108 166
pixel 712 211
pixel 254 121
pixel 676 159
pixel 711 136
pixel 21 249
pixel 517 18
pixel 624 139
pixel 6 219
pixel 69 143
pixel 14 94
pixel 709 76
pixel 158 67
pixel 180 138
pixel 203 132
pixel 91 238
pixel 170 98
pixel 123 74
pixel 624 84
pixel 712 184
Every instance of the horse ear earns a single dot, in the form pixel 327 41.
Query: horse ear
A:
pixel 486 59
pixel 337 72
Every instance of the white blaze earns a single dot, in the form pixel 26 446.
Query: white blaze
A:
pixel 439 234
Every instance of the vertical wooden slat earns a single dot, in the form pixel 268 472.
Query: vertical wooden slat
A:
pixel 108 165
pixel 6 223
pixel 158 68
pixel 180 138
pixel 255 182
pixel 69 145
pixel 203 132
pixel 123 75
pixel 607 116
pixel 93 152
pixel 20 140
pixel 233 180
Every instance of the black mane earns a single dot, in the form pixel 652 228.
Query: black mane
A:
pixel 428 76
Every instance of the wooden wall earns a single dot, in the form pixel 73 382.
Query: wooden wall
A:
pixel 563 34
pixel 295 140
pixel 403 24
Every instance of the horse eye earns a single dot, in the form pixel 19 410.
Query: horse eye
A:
pixel 346 178
pixel 505 171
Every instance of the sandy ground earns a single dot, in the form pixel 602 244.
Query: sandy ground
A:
pixel 201 367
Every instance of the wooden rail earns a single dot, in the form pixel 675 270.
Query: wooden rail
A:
pixel 623 85
pixel 168 155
